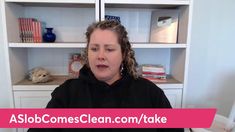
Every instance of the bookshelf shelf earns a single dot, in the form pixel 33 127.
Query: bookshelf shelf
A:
pixel 153 45
pixel 25 84
pixel 54 1
pixel 151 2
pixel 83 45
pixel 171 83
pixel 47 45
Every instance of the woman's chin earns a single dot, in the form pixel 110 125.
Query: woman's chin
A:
pixel 102 78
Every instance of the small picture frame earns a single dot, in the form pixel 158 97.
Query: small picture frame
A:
pixel 75 64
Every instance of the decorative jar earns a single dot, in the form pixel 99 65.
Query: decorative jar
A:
pixel 49 36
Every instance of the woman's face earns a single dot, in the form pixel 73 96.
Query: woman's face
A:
pixel 104 55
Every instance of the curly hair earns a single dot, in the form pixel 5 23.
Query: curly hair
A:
pixel 129 62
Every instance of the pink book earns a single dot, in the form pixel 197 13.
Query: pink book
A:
pixel 20 29
pixel 27 30
pixel 31 30
pixel 24 29
pixel 39 32
pixel 34 31
pixel 156 80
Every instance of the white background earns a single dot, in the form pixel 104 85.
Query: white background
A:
pixel 212 56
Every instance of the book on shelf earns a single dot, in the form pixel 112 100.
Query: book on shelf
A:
pixel 154 76
pixel 75 64
pixel 31 30
pixel 156 80
pixel 154 73
pixel 111 17
pixel 152 68
pixel 164 26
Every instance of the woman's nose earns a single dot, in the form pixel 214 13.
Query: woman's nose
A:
pixel 101 55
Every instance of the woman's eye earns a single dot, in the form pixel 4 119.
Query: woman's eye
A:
pixel 94 49
pixel 110 50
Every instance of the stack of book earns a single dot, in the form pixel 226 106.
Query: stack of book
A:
pixel 31 30
pixel 154 73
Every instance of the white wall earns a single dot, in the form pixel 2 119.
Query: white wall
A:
pixel 212 56
pixel 4 91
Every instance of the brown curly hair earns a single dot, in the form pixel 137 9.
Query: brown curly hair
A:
pixel 129 62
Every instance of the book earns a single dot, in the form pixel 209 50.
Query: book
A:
pixel 20 21
pixel 156 80
pixel 154 73
pixel 111 17
pixel 31 30
pixel 154 76
pixel 152 68
pixel 164 26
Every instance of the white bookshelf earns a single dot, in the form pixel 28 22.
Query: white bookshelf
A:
pixel 70 18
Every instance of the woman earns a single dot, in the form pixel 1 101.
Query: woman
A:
pixel 109 78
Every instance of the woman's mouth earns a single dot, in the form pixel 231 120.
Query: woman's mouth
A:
pixel 101 66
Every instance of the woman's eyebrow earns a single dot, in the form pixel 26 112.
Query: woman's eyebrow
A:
pixel 105 45
pixel 94 44
pixel 110 45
